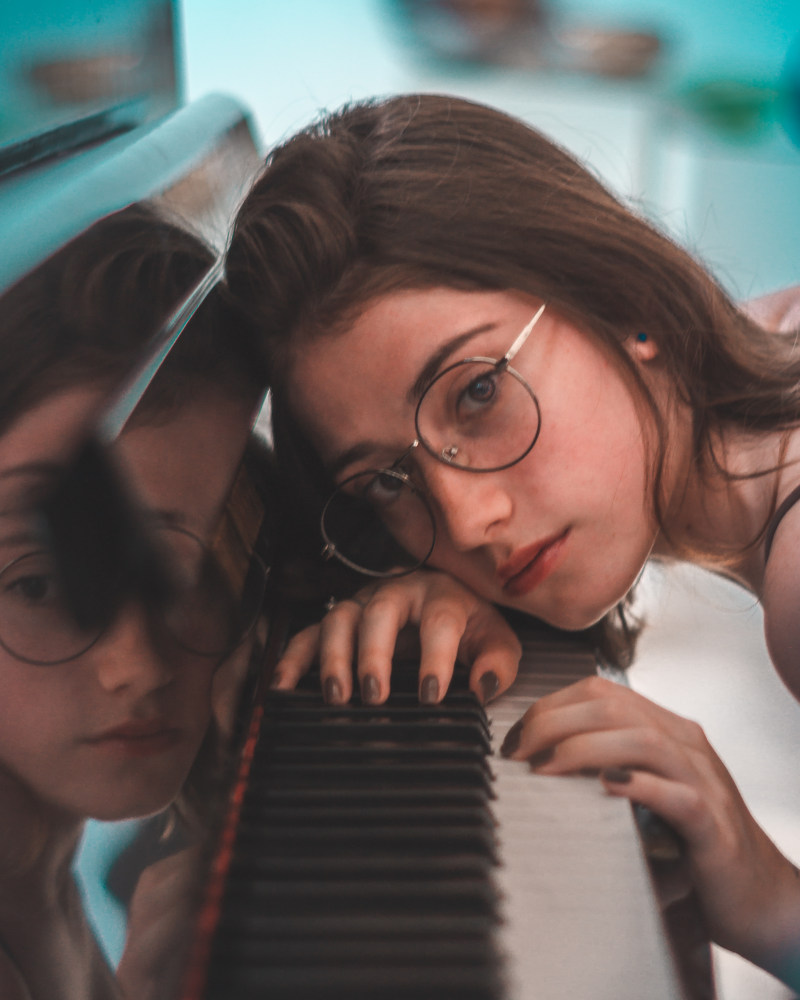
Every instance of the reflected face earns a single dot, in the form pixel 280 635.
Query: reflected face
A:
pixel 113 733
pixel 562 534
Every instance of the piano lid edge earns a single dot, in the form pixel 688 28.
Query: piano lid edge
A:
pixel 57 203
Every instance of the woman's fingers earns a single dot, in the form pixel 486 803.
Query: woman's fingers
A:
pixel 453 624
pixel 338 632
pixel 592 705
pixel 380 622
pixel 440 632
pixel 300 653
pixel 494 652
pixel 641 748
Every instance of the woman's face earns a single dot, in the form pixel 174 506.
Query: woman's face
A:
pixel 563 533
pixel 113 733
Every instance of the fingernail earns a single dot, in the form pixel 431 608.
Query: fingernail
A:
pixel 275 681
pixel 370 689
pixel 616 775
pixel 488 684
pixel 542 757
pixel 332 691
pixel 429 690
pixel 512 740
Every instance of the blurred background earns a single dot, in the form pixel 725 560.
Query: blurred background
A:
pixel 691 108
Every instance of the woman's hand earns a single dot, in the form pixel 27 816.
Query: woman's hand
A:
pixel 160 927
pixel 749 892
pixel 453 624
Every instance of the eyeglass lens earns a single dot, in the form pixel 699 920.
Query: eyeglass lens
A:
pixel 478 417
pixel 207 612
pixel 379 523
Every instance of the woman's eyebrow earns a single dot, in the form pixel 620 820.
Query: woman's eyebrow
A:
pixel 21 497
pixel 350 456
pixel 430 369
pixel 425 376
pixel 32 469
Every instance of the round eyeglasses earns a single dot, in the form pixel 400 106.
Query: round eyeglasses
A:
pixel 204 612
pixel 477 415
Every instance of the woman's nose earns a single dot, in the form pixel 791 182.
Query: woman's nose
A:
pixel 129 655
pixel 469 506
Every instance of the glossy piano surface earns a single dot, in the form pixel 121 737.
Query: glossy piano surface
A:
pixel 105 233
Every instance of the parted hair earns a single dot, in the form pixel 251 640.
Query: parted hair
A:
pixel 425 190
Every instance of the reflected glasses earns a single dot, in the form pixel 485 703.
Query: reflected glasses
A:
pixel 205 609
pixel 477 415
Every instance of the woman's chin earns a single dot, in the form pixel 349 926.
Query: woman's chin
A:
pixel 569 617
pixel 134 806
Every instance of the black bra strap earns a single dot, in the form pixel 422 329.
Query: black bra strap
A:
pixel 777 517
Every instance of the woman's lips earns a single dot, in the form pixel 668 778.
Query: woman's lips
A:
pixel 138 739
pixel 528 567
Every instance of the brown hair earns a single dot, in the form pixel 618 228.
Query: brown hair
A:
pixel 424 190
pixel 87 314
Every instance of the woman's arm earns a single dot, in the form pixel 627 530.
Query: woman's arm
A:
pixel 452 624
pixel 781 600
pixel 160 927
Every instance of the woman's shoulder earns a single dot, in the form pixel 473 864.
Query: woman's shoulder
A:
pixel 781 599
pixel 779 310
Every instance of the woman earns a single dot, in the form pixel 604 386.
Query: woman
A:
pixel 484 363
pixel 106 716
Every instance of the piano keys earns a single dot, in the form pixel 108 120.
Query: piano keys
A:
pixel 390 852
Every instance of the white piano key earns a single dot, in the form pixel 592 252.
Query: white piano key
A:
pixel 580 915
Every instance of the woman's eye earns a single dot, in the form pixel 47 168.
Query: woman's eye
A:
pixel 385 488
pixel 479 393
pixel 481 390
pixel 33 588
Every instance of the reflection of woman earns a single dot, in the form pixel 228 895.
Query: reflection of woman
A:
pixel 495 363
pixel 105 720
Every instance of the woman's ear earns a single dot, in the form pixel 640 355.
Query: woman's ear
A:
pixel 641 346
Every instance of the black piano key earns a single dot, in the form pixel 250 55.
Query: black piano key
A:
pixel 359 733
pixel 454 899
pixel 419 867
pixel 356 798
pixel 372 776
pixel 358 841
pixel 441 946
pixel 336 815
pixel 357 981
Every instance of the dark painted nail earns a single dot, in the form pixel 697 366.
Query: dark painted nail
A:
pixel 332 691
pixel 616 775
pixel 512 740
pixel 542 757
pixel 370 689
pixel 429 690
pixel 488 685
